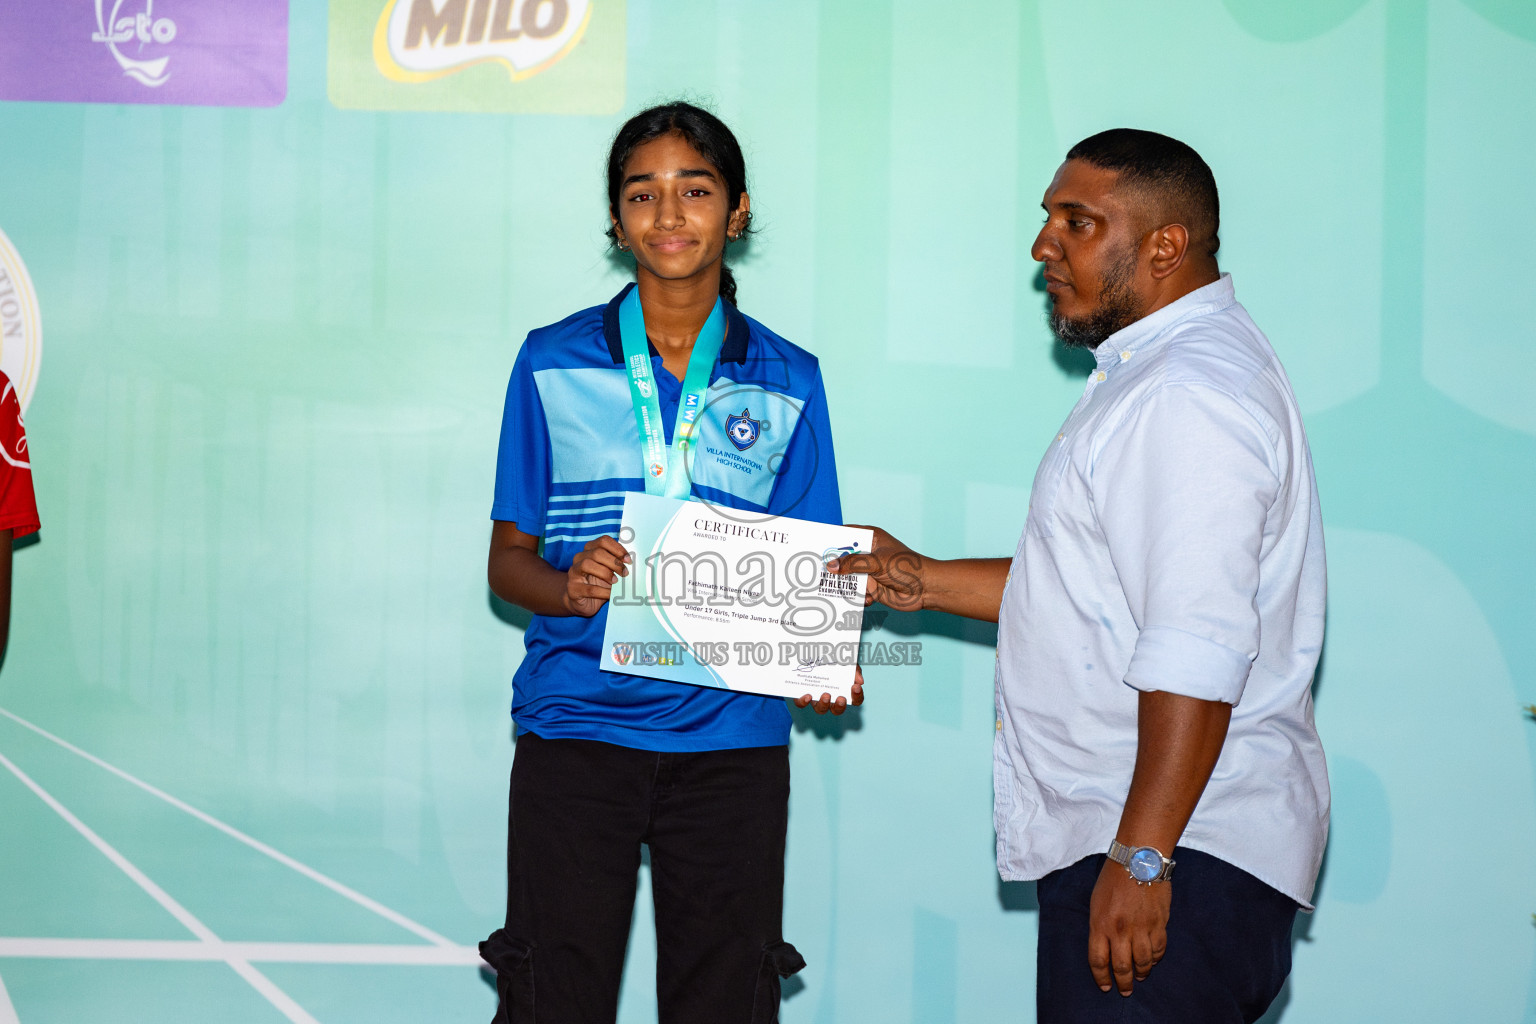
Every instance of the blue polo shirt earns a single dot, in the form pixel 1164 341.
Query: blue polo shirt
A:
pixel 569 453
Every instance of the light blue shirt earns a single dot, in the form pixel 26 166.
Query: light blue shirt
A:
pixel 1174 543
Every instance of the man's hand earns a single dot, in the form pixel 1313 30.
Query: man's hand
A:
pixel 905 581
pixel 840 705
pixel 1127 928
pixel 894 572
pixel 1178 740
pixel 590 580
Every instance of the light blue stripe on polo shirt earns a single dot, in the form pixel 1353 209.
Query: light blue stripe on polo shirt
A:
pixel 592 432
pixel 601 522
pixel 573 500
pixel 583 489
pixel 576 518
pixel 586 534
pixel 579 518
pixel 565 515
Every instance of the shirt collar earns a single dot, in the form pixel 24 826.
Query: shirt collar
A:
pixel 1149 330
pixel 734 350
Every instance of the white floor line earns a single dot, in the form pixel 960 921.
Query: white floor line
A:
pixel 260 982
pixel 260 847
pixel 7 1010
pixel 251 952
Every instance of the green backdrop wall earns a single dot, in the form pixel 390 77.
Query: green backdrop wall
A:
pixel 253 654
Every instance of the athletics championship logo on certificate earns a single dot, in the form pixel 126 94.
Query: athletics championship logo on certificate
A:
pixel 507 56
pixel 21 328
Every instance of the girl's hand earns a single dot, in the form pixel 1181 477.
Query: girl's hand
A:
pixel 589 582
pixel 840 705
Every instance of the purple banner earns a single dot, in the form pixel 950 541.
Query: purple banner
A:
pixel 223 53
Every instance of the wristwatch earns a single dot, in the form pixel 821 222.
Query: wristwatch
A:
pixel 1145 864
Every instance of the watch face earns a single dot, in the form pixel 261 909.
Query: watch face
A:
pixel 1146 864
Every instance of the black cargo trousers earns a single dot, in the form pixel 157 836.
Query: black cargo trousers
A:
pixel 714 822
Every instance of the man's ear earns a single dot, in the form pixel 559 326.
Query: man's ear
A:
pixel 1169 245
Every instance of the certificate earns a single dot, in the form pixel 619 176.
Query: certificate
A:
pixel 738 600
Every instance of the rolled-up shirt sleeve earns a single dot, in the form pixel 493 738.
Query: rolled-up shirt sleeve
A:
pixel 1182 490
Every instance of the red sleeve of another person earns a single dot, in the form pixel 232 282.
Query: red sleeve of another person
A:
pixel 18 504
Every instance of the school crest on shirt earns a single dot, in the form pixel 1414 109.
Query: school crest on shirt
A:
pixel 743 430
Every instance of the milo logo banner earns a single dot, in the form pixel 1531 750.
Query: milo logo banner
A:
pixel 509 56
pixel 226 53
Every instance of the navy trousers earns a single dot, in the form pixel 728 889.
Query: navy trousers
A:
pixel 1229 949
pixel 714 822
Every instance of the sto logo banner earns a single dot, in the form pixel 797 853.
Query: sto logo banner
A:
pixel 222 53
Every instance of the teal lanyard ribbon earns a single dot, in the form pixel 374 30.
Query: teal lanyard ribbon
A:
pixel 666 468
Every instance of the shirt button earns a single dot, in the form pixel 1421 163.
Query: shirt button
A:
pixel 1060 436
pixel 1101 375
pixel 999 725
pixel 1125 355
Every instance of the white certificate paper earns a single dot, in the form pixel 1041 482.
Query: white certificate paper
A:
pixel 720 597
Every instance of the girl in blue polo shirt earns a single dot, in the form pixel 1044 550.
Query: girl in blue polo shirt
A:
pixel 607 762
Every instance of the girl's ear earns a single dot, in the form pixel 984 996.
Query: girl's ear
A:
pixel 740 217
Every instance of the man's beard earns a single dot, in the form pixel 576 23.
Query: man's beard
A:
pixel 1118 308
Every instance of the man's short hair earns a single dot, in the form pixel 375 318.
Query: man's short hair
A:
pixel 1170 173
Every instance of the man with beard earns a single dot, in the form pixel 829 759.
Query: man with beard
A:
pixel 1160 621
